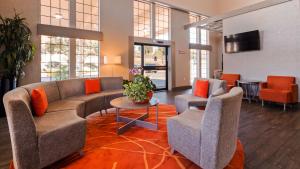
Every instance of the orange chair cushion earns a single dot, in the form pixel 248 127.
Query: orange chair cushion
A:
pixel 92 86
pixel 280 82
pixel 281 96
pixel 201 88
pixel 39 101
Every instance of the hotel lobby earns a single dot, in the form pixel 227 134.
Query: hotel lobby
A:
pixel 132 84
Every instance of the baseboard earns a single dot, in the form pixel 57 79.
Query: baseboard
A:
pixel 181 88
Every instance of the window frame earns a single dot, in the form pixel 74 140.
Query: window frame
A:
pixel 73 33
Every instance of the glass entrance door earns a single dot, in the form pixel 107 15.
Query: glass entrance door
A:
pixel 154 61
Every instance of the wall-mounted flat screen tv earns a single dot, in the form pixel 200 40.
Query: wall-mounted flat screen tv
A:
pixel 242 42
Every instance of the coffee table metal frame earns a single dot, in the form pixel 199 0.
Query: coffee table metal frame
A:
pixel 125 103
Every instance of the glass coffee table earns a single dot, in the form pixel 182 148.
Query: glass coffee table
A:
pixel 127 104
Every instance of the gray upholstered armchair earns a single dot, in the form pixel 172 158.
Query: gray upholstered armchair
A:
pixel 208 138
pixel 183 102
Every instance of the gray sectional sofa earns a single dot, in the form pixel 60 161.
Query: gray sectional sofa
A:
pixel 40 141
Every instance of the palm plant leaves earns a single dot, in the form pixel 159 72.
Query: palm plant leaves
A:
pixel 16 47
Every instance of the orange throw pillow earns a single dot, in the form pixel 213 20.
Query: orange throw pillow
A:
pixel 92 86
pixel 201 88
pixel 39 101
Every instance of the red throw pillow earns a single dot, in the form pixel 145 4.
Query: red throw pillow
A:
pixel 201 88
pixel 92 86
pixel 39 101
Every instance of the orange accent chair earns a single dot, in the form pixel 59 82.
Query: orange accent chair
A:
pixel 279 89
pixel 231 80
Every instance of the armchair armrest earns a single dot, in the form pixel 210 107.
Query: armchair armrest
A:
pixel 263 85
pixel 294 89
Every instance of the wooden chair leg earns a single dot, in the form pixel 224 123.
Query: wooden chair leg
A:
pixel 100 112
pixel 284 107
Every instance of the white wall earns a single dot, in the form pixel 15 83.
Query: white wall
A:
pixel 280 38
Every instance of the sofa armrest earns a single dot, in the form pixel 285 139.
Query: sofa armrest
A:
pixel 294 89
pixel 22 131
pixel 263 85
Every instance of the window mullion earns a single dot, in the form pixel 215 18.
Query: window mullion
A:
pixel 72 40
pixel 153 21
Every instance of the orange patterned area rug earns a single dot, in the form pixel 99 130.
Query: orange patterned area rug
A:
pixel 137 148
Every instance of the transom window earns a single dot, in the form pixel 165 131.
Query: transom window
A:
pixel 162 22
pixel 194 32
pixel 149 23
pixel 55 12
pixel 87 14
pixel 142 19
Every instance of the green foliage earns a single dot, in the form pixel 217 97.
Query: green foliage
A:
pixel 16 47
pixel 137 89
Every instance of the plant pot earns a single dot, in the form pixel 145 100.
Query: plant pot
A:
pixel 146 101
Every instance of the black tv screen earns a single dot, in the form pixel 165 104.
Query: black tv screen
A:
pixel 242 42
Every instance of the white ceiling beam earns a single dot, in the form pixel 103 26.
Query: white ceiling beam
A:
pixel 251 8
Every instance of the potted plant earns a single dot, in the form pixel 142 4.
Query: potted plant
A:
pixel 140 90
pixel 16 49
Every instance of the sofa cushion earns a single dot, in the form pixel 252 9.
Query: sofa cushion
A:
pixel 92 86
pixel 70 88
pixel 61 105
pixel 111 83
pixel 50 88
pixel 93 102
pixel 281 96
pixel 63 130
pixel 39 101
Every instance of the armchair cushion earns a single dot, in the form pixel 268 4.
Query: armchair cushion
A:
pixel 184 133
pixel 183 102
pixel 281 96
pixel 201 88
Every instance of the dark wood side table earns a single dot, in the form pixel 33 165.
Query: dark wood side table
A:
pixel 251 89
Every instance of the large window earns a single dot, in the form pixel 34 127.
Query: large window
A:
pixel 87 54
pixel 204 64
pixel 57 53
pixel 162 21
pixel 142 19
pixel 199 59
pixel 149 23
pixel 55 57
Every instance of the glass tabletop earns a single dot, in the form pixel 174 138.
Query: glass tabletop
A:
pixel 126 103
